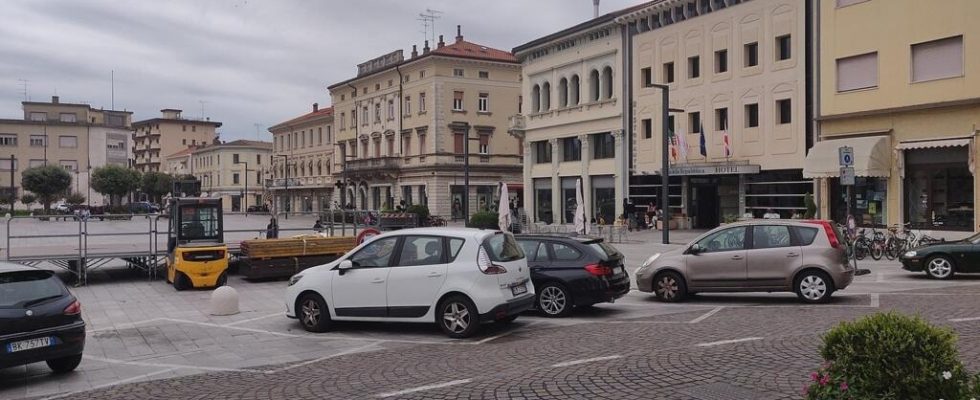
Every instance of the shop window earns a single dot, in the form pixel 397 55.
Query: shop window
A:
pixel 939 189
pixel 542 200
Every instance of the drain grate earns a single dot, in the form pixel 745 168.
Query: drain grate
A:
pixel 725 391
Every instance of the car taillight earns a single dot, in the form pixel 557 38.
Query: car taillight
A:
pixel 831 235
pixel 486 266
pixel 74 308
pixel 598 270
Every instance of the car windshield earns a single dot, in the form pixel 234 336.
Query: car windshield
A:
pixel 975 239
pixel 199 222
pixel 502 247
pixel 18 288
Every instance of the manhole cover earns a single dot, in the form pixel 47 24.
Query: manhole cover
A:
pixel 724 391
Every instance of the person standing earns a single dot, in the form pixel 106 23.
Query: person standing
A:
pixel 272 230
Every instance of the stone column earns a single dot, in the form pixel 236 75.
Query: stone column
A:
pixel 555 184
pixel 742 186
pixel 528 198
pixel 586 177
pixel 621 177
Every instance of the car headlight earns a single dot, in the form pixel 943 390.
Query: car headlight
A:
pixel 293 279
pixel 650 260
pixel 909 254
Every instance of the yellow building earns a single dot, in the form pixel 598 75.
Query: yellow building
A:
pixel 304 146
pixel 402 127
pixel 897 84
pixel 157 137
pixel 232 171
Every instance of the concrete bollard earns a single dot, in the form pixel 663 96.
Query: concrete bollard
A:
pixel 224 301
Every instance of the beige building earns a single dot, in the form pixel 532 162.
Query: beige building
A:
pixel 303 151
pixel 75 136
pixel 157 137
pixel 402 127
pixel 897 85
pixel 232 171
pixel 736 70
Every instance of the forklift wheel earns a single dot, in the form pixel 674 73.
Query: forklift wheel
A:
pixel 181 281
pixel 222 280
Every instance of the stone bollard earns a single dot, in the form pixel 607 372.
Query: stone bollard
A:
pixel 224 301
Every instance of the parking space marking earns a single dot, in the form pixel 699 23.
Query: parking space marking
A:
pixel 721 342
pixel 585 360
pixel 875 300
pixel 127 325
pixel 965 319
pixel 327 357
pixel 245 321
pixel 424 388
pixel 706 315
pixel 119 382
pixel 167 365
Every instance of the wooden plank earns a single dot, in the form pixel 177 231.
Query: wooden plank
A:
pixel 297 246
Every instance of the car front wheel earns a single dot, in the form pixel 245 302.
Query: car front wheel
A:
pixel 669 287
pixel 939 267
pixel 312 313
pixel 457 317
pixel 814 287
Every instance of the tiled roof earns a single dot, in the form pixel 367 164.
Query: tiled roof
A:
pixel 183 152
pixel 462 48
pixel 323 112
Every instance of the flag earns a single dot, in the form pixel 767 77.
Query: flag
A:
pixel 682 143
pixel 672 139
pixel 704 146
pixel 727 143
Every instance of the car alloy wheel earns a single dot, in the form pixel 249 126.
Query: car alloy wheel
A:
pixel 554 301
pixel 457 317
pixel 939 267
pixel 669 287
pixel 313 314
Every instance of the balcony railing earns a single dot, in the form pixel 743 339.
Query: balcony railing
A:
pixel 373 164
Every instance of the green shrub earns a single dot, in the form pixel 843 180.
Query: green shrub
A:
pixel 420 210
pixel 811 206
pixel 484 220
pixel 889 356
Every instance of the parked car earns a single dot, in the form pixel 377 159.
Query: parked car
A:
pixel 143 207
pixel 40 320
pixel 572 272
pixel 945 259
pixel 62 208
pixel 258 208
pixel 805 257
pixel 455 277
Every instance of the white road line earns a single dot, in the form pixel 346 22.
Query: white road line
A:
pixel 875 300
pixel 721 342
pixel 965 319
pixel 245 321
pixel 311 336
pixel 424 388
pixel 105 385
pixel 586 360
pixel 881 278
pixel 127 325
pixel 166 365
pixel 706 315
pixel 308 362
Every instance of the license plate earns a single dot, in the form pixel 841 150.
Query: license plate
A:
pixel 29 344
pixel 519 289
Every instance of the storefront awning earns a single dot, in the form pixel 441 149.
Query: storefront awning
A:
pixel 872 157
pixel 933 144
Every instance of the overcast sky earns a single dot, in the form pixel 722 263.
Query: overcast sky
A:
pixel 246 62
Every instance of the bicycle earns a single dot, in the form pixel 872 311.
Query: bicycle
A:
pixel 900 244
pixel 877 243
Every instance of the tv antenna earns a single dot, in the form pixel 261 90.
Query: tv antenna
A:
pixel 428 19
pixel 203 102
pixel 257 131
pixel 23 89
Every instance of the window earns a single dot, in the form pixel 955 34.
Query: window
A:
pixel 457 101
pixel 751 54
pixel 455 245
pixel 377 87
pixel 8 140
pixel 937 59
pixel 343 121
pixel 534 250
pixel 806 235
pixel 607 82
pixel 483 103
pixel 5 164
pixel 422 102
pixel 319 136
pixel 39 116
pixel 457 72
pixel 235 179
pixel 751 115
pixel 603 146
pixel 377 113
pixel 391 145
pixel 546 96
pixel 857 72
pixel 183 128
pixel 353 119
pixel 421 250
pixel 37 140
pixel 542 152
pixel 564 252
pixel 646 76
pixel 422 74
pixel 235 158
pixel 669 72
pixel 364 115
pixel 391 109
pixel 724 240
pixel 484 74
pixel 694 121
pixel 693 67
pixel 784 108
pixel 573 91
pixel 408 105
pixel 503 248
pixel 783 48
pixel 670 124
pixel 68 117
pixel 69 165
pixel 34 163
pixel 68 141
pixel 571 149
pixel 721 119
pixel 770 236
pixel 329 134
pixel 459 144
pixel 375 254
pixel 647 128
pixel 258 159
pixel 484 144
pixel 421 145
pixel 721 61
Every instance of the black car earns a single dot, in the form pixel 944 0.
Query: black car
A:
pixel 40 320
pixel 261 208
pixel 943 260
pixel 570 272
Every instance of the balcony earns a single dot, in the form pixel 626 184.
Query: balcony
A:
pixel 374 164
pixel 517 123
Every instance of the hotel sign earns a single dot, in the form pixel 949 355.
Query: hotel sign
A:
pixel 714 169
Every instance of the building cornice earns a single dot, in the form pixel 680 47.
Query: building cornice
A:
pixel 909 108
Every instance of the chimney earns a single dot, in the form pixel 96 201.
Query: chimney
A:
pixel 55 99
pixel 595 8
pixel 441 42
pixel 459 34
pixel 425 50
pixel 316 106
pixel 415 51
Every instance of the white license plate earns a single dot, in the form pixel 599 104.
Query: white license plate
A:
pixel 28 344
pixel 519 289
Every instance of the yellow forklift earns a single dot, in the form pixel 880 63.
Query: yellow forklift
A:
pixel 197 255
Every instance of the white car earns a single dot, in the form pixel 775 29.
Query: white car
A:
pixel 455 277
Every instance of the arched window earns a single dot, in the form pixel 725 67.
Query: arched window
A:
pixel 319 167
pixel 328 166
pixel 563 93
pixel 546 97
pixel 311 167
pixel 594 85
pixel 536 98
pixel 573 91
pixel 607 82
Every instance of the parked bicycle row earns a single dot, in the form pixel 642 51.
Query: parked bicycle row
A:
pixel 889 243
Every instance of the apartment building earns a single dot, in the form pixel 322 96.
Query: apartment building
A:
pixel 897 86
pixel 737 76
pixel 303 148
pixel 157 137
pixel 234 171
pixel 75 136
pixel 403 127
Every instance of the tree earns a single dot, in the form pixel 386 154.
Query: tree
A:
pixel 27 199
pixel 115 181
pixel 189 185
pixel 811 207
pixel 47 182
pixel 75 199
pixel 156 184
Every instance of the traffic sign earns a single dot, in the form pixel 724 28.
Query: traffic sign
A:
pixel 846 155
pixel 847 176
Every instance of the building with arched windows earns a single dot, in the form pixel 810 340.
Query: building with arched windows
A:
pixel 303 151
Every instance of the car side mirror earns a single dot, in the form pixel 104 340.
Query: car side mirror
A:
pixel 695 249
pixel 344 266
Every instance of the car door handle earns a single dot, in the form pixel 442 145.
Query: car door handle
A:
pixel 736 257
pixel 377 280
pixel 434 274
pixel 792 254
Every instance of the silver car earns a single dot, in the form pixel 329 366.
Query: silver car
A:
pixel 805 257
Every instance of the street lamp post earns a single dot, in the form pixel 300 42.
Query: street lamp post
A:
pixel 285 168
pixel 665 162
pixel 466 175
pixel 245 194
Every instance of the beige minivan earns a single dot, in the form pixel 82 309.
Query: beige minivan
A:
pixel 801 256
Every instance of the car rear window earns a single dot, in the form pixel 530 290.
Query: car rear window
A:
pixel 20 287
pixel 605 251
pixel 806 235
pixel 503 248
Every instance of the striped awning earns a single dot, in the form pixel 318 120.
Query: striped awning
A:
pixel 933 143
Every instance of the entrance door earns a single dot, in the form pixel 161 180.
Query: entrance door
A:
pixel 706 207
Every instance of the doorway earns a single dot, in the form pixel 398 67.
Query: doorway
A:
pixel 705 206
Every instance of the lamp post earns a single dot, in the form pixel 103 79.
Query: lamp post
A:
pixel 285 168
pixel 466 174
pixel 665 162
pixel 13 190
pixel 343 178
pixel 245 193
